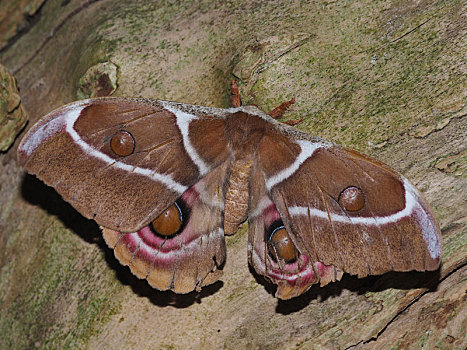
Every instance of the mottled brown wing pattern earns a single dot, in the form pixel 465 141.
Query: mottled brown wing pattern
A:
pixel 293 276
pixel 70 149
pixel 127 162
pixel 189 259
pixel 345 210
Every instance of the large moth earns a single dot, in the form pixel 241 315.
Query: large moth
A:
pixel 167 180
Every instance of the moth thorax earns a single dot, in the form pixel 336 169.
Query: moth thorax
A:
pixel 236 198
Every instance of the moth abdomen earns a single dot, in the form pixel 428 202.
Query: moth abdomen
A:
pixel 237 196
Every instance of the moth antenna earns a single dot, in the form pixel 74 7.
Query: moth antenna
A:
pixel 279 111
pixel 235 99
pixel 293 122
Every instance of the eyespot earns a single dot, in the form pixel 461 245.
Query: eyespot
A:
pixel 281 247
pixel 170 222
pixel 122 143
pixel 352 198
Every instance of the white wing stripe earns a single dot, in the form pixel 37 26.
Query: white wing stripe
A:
pixel 412 205
pixel 69 118
pixel 183 122
pixel 307 150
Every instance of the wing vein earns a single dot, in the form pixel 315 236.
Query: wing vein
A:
pixel 353 164
pixel 336 238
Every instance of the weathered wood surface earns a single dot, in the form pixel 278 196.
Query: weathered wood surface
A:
pixel 385 77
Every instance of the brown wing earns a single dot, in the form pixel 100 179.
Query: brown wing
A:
pixel 190 258
pixel 344 209
pixel 122 161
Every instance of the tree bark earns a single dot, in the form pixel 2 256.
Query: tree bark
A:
pixel 387 78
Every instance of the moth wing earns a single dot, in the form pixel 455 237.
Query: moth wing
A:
pixel 70 150
pixel 190 259
pixel 385 225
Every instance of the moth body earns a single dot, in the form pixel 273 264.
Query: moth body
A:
pixel 237 196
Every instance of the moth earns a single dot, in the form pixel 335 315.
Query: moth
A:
pixel 166 181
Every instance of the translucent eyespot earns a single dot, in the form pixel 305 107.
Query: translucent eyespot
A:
pixel 169 223
pixel 281 247
pixel 122 143
pixel 352 198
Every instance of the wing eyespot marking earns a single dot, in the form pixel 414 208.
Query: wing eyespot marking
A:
pixel 279 245
pixel 412 208
pixel 69 117
pixel 352 198
pixel 172 221
pixel 122 143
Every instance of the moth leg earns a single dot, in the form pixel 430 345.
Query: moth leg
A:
pixel 235 99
